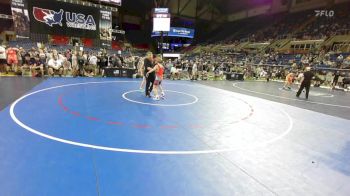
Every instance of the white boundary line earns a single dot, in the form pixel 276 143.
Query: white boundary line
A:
pixel 314 102
pixel 162 105
pixel 125 150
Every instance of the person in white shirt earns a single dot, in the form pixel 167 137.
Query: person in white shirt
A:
pixel 55 65
pixel 194 71
pixel 340 58
pixel 90 69
pixel 2 59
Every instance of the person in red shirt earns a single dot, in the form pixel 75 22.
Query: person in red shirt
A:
pixel 159 71
pixel 12 59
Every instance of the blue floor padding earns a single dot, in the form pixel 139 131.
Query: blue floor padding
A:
pixel 315 149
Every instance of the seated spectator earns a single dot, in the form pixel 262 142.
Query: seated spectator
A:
pixel 37 67
pixel 90 68
pixel 26 63
pixel 42 56
pixel 67 67
pixel 55 65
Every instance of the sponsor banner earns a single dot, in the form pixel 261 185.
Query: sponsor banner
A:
pixel 106 25
pixel 20 17
pixel 61 18
pixel 176 32
pixel 106 29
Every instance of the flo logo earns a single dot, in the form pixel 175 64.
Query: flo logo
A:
pixel 327 13
pixel 49 17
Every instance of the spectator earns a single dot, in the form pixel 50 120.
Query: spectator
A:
pixel 26 63
pixel 55 65
pixel 75 64
pixel 37 66
pixel 67 67
pixel 90 68
pixel 12 59
pixel 82 61
pixel 2 59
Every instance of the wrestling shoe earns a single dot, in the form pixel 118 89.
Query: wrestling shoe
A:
pixel 156 98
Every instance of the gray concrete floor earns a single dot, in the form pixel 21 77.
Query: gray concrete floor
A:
pixel 11 88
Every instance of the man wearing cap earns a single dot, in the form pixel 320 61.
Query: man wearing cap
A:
pixel 306 82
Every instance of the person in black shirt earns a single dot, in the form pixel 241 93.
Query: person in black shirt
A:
pixel 306 83
pixel 148 65
pixel 81 63
pixel 37 65
pixel 26 62
pixel 335 79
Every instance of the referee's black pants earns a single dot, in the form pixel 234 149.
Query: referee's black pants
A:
pixel 149 84
pixel 305 85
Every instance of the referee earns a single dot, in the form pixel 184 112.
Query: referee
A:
pixel 306 82
pixel 148 65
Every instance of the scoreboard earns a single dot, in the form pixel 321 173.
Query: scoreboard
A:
pixel 161 19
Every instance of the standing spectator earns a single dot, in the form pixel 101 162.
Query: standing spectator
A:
pixel 81 62
pixel 194 71
pixel 140 69
pixel 12 59
pixel 75 65
pixel 102 63
pixel 21 56
pixel 2 59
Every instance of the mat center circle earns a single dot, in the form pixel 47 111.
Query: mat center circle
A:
pixel 136 96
